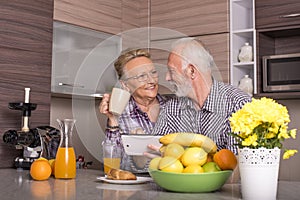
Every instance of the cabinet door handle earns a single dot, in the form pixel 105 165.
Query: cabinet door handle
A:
pixel 290 15
pixel 70 85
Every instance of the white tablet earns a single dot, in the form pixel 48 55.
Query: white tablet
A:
pixel 137 144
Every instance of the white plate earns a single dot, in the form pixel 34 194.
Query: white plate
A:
pixel 125 182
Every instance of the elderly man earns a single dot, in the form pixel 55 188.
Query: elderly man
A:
pixel 204 105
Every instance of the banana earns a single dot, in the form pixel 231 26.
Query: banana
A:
pixel 190 139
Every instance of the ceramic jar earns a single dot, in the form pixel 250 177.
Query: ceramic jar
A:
pixel 246 84
pixel 246 54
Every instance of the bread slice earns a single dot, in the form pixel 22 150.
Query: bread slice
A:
pixel 117 174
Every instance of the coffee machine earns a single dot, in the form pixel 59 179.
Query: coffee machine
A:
pixel 41 141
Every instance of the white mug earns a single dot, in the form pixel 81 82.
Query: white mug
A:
pixel 118 101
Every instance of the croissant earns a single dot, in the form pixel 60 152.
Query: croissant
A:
pixel 117 174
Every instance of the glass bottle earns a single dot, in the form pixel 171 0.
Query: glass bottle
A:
pixel 65 161
pixel 246 54
pixel 111 153
pixel 246 85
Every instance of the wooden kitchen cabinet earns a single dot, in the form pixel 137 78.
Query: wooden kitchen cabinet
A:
pixel 104 15
pixel 82 60
pixel 191 18
pixel 217 44
pixel 278 33
pixel 270 13
pixel 25 61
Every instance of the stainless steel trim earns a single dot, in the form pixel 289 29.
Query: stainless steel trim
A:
pixel 265 73
pixel 70 85
pixel 290 15
pixel 282 56
pixel 283 88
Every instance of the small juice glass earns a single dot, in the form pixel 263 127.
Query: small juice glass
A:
pixel 111 154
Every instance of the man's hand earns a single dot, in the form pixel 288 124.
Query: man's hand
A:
pixel 154 149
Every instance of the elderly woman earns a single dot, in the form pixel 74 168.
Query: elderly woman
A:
pixel 137 74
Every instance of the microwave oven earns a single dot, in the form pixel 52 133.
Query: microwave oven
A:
pixel 281 73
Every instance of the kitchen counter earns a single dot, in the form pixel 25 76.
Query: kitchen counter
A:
pixel 17 184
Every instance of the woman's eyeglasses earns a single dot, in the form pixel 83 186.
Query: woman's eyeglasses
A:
pixel 144 76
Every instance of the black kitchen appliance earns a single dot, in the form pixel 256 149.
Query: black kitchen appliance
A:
pixel 36 142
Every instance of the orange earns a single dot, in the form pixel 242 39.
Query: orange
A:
pixel 42 158
pixel 40 170
pixel 41 189
pixel 210 157
pixel 225 159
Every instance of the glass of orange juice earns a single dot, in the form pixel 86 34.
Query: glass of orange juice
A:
pixel 111 154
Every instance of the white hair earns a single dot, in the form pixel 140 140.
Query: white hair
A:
pixel 193 52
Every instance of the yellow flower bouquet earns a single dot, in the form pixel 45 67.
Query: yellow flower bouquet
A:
pixel 262 123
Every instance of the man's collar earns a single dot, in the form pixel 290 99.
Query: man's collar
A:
pixel 213 98
pixel 210 102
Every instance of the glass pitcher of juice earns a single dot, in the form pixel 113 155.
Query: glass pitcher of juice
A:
pixel 65 161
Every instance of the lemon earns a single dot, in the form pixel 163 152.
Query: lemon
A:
pixel 195 169
pixel 174 150
pixel 52 164
pixel 154 163
pixel 194 155
pixel 51 161
pixel 170 164
pixel 162 149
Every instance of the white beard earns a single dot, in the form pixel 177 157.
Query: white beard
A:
pixel 182 87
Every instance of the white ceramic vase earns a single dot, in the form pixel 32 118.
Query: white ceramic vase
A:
pixel 246 84
pixel 259 173
pixel 246 54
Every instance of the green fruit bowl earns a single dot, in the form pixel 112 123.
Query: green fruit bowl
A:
pixel 186 182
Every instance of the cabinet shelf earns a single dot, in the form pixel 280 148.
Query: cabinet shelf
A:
pixel 241 13
pixel 242 30
pixel 244 64
pixel 243 3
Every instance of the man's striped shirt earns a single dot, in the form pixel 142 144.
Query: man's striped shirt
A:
pixel 212 120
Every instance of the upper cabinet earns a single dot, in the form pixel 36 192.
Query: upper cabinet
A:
pixel 242 31
pixel 104 15
pixel 217 44
pixel 206 20
pixel 191 17
pixel 82 60
pixel 270 13
pixel 278 34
